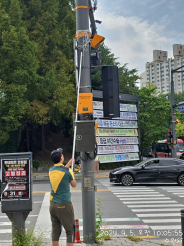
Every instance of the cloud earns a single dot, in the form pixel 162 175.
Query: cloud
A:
pixel 132 39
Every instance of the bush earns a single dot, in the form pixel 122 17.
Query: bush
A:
pixel 27 238
pixel 36 164
pixel 113 165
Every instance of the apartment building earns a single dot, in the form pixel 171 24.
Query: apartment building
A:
pixel 159 70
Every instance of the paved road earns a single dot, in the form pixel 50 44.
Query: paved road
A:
pixel 148 211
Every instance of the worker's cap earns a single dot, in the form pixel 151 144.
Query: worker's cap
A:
pixel 56 155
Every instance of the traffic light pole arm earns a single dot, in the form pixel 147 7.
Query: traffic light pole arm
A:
pixel 92 19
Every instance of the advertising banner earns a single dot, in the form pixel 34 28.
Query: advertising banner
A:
pixel 16 173
pixel 116 123
pixel 118 158
pixel 123 107
pixel 123 115
pixel 100 132
pixel 102 150
pixel 116 140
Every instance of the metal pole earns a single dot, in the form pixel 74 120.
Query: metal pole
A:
pixel 87 165
pixel 18 223
pixel 173 145
pixel 182 225
pixel 76 113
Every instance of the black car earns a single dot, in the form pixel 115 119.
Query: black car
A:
pixel 160 170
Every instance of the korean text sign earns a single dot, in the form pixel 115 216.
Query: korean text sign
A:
pixel 16 175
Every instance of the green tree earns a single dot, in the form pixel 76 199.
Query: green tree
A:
pixel 154 115
pixel 18 68
pixel 51 24
pixel 180 130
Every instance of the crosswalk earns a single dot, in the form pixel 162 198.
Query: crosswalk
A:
pixel 179 191
pixel 152 205
pixel 149 209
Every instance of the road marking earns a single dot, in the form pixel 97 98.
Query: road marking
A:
pixel 37 192
pixel 38 202
pixel 162 228
pixel 162 221
pixel 132 193
pixel 157 209
pixel 159 215
pixel 150 195
pixel 43 223
pixel 148 198
pixel 153 205
pixel 5 223
pixel 149 202
pixel 121 227
pixel 115 219
pixel 178 193
pixel 4 216
pixel 6 231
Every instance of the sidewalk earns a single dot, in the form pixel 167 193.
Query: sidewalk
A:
pixel 118 241
pixel 115 241
pixel 43 175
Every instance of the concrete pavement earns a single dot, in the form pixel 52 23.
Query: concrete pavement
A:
pixel 115 241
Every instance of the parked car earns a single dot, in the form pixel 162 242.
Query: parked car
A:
pixel 160 170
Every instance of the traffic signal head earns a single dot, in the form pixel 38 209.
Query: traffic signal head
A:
pixel 169 138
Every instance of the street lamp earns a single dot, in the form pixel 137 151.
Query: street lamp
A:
pixel 173 145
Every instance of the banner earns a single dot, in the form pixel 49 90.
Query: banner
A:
pixel 102 150
pixel 116 140
pixel 118 158
pixel 123 107
pixel 123 115
pixel 116 124
pixel 16 173
pixel 116 132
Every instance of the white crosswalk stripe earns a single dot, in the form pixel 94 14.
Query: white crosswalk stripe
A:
pixel 179 191
pixel 153 207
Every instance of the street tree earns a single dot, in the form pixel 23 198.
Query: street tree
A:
pixel 154 115
pixel 18 65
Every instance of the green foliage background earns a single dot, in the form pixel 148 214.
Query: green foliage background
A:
pixel 37 80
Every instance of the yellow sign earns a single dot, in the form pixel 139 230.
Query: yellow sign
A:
pixel 85 103
pixel 116 132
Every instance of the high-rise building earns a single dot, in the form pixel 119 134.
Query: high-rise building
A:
pixel 159 70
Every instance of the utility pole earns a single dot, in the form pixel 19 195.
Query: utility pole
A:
pixel 87 164
pixel 173 145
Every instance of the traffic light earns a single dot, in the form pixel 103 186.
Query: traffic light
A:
pixel 176 121
pixel 169 138
pixel 96 59
pixel 110 82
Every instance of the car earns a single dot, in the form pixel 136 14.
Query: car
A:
pixel 160 170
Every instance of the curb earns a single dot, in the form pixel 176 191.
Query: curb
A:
pixel 45 177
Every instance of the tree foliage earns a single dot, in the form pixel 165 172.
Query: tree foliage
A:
pixel 18 67
pixel 154 115
pixel 36 63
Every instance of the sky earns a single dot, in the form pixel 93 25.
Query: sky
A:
pixel 134 28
